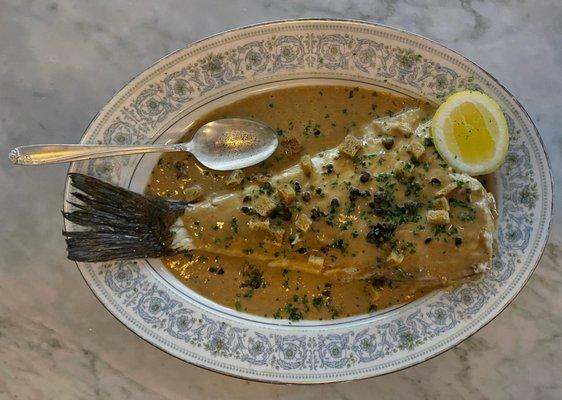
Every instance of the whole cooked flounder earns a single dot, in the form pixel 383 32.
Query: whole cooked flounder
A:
pixel 383 204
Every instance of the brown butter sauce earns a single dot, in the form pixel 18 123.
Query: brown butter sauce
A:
pixel 327 114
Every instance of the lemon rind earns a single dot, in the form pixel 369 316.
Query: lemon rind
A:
pixel 502 142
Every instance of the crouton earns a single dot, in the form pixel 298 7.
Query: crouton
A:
pixel 291 146
pixel 394 128
pixel 256 224
pixel 303 222
pixel 306 165
pixel 286 193
pixel 261 176
pixel 446 190
pixel 441 203
pixel 394 259
pixel 263 205
pixel 437 217
pixel 415 149
pixel 193 193
pixel 401 125
pixel 317 261
pixel 399 129
pixel 235 178
pixel 374 293
pixel 350 146
pixel 275 235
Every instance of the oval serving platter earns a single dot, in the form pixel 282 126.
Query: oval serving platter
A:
pixel 160 103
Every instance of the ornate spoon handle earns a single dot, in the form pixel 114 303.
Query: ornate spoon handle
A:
pixel 60 153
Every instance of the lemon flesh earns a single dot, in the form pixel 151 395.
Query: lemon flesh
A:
pixel 470 132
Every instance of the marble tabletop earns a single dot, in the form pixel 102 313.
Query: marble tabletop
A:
pixel 61 60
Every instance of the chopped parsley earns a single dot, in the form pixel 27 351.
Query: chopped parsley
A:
pixel 311 128
pixel 460 183
pixel 385 206
pixel 334 312
pixel 293 313
pixel 253 277
pixel 266 188
pixel 285 281
pixel 412 187
pixel 467 212
pixel 216 270
pixel 444 231
pixel 339 244
pixel 428 142
pixel 380 233
pixel 318 302
pixel 234 225
pixel 295 309
pixel 345 226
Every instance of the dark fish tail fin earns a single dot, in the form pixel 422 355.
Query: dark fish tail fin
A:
pixel 120 224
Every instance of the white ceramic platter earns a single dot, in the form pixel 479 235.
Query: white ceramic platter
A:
pixel 161 102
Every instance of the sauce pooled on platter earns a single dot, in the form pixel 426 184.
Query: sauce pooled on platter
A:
pixel 355 211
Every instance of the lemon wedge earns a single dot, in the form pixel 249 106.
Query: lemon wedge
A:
pixel 470 132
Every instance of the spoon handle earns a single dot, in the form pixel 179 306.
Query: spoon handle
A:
pixel 59 153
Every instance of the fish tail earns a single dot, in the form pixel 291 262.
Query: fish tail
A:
pixel 121 224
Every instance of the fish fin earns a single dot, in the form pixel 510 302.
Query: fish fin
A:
pixel 121 224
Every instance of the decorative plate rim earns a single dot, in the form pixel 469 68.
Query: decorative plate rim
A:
pixel 430 354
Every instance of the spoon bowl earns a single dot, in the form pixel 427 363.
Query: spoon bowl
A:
pixel 232 143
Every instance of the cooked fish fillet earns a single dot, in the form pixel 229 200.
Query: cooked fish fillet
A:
pixel 383 203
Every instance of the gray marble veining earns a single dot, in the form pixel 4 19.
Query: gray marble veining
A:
pixel 61 61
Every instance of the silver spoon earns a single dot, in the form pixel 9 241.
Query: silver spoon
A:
pixel 224 145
